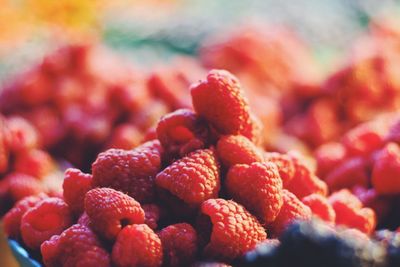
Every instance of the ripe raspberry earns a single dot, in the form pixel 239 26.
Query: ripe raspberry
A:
pixel 320 207
pixel 125 136
pixel 285 165
pixel 4 150
pixel 292 209
pixel 49 217
pixel 84 220
pixel 258 187
pixel 35 162
pixel 348 174
pixel 12 220
pixel 23 135
pixel 21 185
pixel 152 214
pixel 76 246
pixel 227 229
pixel 131 171
pixel 386 170
pixel 329 156
pixel 349 212
pixel 182 131
pixel 110 210
pixel 220 101
pixel 371 199
pixel 179 243
pixel 137 245
pixel 304 182
pixel 194 178
pixel 75 186
pixel 237 149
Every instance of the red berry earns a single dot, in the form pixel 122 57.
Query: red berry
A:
pixel 220 101
pixel 329 156
pixel 237 149
pixel 125 136
pixel 285 165
pixel 292 209
pixel 320 207
pixel 137 246
pixel 152 214
pixel 131 171
pixel 194 178
pixel 35 162
pixel 23 135
pixel 370 198
pixel 49 217
pixel 21 185
pixel 227 229
pixel 110 210
pixel 84 219
pixel 4 150
pixel 258 187
pixel 75 186
pixel 76 246
pixel 386 170
pixel 179 243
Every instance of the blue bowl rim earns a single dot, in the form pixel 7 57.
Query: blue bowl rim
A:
pixel 21 255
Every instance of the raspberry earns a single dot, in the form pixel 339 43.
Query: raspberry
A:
pixel 371 199
pixel 348 174
pixel 49 217
pixel 258 187
pixel 152 214
pixel 84 220
pixel 125 136
pixel 22 185
pixel 329 156
pixel 179 243
pixel 12 220
pixel 131 171
pixel 285 165
pixel 137 245
pixel 304 182
pixel 349 212
pixel 22 134
pixel 180 130
pixel 237 149
pixel 227 229
pixel 292 209
pixel 75 186
pixel 220 101
pixel 76 246
pixel 320 207
pixel 4 153
pixel 110 210
pixel 35 162
pixel 386 170
pixel 194 178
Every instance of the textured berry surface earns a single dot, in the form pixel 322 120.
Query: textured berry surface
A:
pixel 237 149
pixel 22 185
pixel 110 210
pixel 258 187
pixel 220 101
pixel 152 214
pixel 35 162
pixel 194 178
pixel 75 186
pixel 285 165
pixel 232 229
pixel 320 207
pixel 131 171
pixel 76 246
pixel 48 217
pixel 179 243
pixel 137 246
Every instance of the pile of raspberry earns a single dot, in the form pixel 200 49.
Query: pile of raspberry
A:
pixel 202 192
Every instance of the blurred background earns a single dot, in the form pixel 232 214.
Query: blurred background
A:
pixel 153 32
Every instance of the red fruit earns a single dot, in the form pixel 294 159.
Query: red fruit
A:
pixel 285 165
pixel 76 246
pixel 221 102
pixel 12 219
pixel 110 210
pixel 227 229
pixel 182 131
pixel 23 135
pixel 131 171
pixel 35 162
pixel 292 209
pixel 49 217
pixel 348 174
pixel 305 182
pixel 237 149
pixel 320 207
pixel 125 136
pixel 258 187
pixel 194 178
pixel 371 199
pixel 21 185
pixel 349 212
pixel 179 243
pixel 4 151
pixel 137 245
pixel 84 219
pixel 329 156
pixel 152 214
pixel 75 186
pixel 386 170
